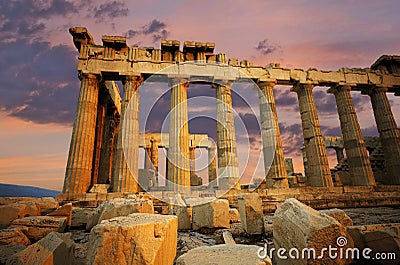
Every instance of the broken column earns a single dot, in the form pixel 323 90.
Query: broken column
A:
pixel 388 132
pixel 298 226
pixel 318 172
pixel 228 167
pixel 178 152
pixel 274 161
pixel 80 157
pixel 357 157
pixel 251 213
pixel 138 238
pixel 125 165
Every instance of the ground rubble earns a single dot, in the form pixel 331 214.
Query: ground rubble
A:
pixel 77 233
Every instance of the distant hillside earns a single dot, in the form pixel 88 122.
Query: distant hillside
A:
pixel 9 190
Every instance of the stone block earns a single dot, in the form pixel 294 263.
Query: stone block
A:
pixel 251 213
pixel 63 211
pixel 12 211
pixel 225 254
pixel 14 236
pixel 6 251
pixel 81 216
pixel 52 249
pixel 296 225
pixel 139 238
pixel 379 238
pixel 40 226
pixel 119 207
pixel 212 214
pixel 339 215
pixel 233 215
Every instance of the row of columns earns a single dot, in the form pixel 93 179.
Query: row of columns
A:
pixel 317 169
pixel 82 161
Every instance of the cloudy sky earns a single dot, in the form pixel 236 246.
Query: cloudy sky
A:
pixel 38 60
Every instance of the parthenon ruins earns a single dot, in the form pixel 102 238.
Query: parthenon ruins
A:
pixel 106 138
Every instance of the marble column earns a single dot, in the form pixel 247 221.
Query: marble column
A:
pixel 125 164
pixel 388 132
pixel 274 160
pixel 178 152
pixel 212 165
pixel 110 130
pixel 353 141
pixel 147 158
pixel 154 155
pixel 80 158
pixel 98 142
pixel 339 154
pixel 228 166
pixel 192 157
pixel 318 172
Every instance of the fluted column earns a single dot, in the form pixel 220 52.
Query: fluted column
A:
pixel 178 152
pixel 275 172
pixel 80 157
pixel 154 155
pixel 228 166
pixel 192 157
pixel 212 165
pixel 353 141
pixel 388 132
pixel 147 158
pixel 110 130
pixel 125 165
pixel 318 172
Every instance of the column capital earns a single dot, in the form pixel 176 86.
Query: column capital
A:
pixel 266 84
pixel 178 80
pixel 299 86
pixel 338 88
pixel 133 78
pixel 82 75
pixel 373 90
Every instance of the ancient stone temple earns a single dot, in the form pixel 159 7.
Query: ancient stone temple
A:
pixel 106 138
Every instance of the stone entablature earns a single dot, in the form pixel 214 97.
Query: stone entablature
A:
pixel 115 57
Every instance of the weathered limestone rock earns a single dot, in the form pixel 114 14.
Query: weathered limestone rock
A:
pixel 11 212
pixel 66 211
pixel 228 238
pixel 134 239
pixel 14 236
pixel 211 215
pixel 233 215
pixel 45 204
pixel 178 207
pixel 55 249
pixel 379 238
pixel 6 251
pixel 339 216
pixel 297 225
pixel 251 213
pixel 223 255
pixel 119 207
pixel 39 226
pixel 81 216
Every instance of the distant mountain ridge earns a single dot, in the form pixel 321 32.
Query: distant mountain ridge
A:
pixel 10 190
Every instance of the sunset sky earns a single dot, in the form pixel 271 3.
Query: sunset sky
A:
pixel 39 87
